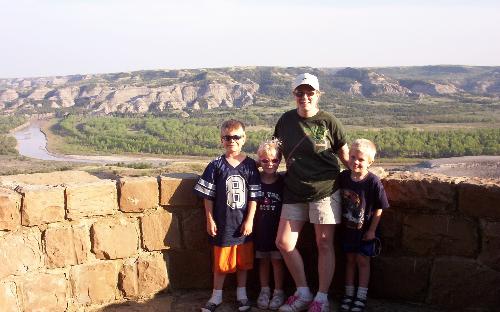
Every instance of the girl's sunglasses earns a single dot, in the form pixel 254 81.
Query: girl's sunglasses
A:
pixel 274 161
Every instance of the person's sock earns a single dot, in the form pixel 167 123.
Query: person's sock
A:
pixel 216 296
pixel 349 291
pixel 241 293
pixel 277 292
pixel 265 289
pixel 304 292
pixel 362 291
pixel 321 297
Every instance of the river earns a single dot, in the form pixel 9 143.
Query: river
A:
pixel 32 142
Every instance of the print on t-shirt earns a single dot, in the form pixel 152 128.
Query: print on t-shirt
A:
pixel 353 209
pixel 236 192
pixel 318 134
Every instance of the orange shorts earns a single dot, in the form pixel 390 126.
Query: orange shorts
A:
pixel 232 258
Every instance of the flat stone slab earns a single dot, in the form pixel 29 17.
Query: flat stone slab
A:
pixel 184 301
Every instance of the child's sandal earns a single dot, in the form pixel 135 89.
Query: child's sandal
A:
pixel 345 303
pixel 358 305
pixel 210 307
pixel 244 305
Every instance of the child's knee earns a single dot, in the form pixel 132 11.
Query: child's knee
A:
pixel 324 244
pixel 363 261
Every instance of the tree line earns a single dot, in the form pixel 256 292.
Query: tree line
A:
pixel 174 136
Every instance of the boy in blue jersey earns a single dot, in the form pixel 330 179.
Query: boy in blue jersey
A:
pixel 230 187
pixel 363 199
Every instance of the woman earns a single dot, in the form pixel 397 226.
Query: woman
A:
pixel 310 138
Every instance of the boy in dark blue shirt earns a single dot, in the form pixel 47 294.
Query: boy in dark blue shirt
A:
pixel 230 187
pixel 363 199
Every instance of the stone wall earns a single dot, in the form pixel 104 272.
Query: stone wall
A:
pixel 81 246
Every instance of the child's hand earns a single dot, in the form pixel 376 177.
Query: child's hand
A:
pixel 369 235
pixel 211 228
pixel 246 227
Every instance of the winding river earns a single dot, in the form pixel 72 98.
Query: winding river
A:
pixel 32 142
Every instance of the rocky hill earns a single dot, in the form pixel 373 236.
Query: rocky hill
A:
pixel 161 90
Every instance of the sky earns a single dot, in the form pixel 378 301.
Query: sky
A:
pixel 63 37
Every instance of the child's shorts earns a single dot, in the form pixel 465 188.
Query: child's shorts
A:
pixel 268 254
pixel 352 242
pixel 324 211
pixel 232 258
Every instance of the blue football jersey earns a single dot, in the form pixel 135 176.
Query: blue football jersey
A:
pixel 230 188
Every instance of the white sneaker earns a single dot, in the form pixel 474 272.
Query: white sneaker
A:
pixel 317 306
pixel 277 301
pixel 295 304
pixel 263 300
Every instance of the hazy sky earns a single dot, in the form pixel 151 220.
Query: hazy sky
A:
pixel 60 37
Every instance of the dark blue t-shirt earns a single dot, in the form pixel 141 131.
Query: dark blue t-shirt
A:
pixel 360 199
pixel 267 216
pixel 230 188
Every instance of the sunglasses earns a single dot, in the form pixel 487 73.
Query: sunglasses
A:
pixel 300 94
pixel 228 138
pixel 274 161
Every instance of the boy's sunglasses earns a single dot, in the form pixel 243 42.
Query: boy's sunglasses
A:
pixel 300 94
pixel 228 138
pixel 274 161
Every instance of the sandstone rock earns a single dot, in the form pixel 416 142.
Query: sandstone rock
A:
pixel 127 279
pixel 463 283
pixel 404 278
pixel 91 199
pixel 8 95
pixel 490 251
pixel 66 96
pixel 10 209
pixel 440 235
pixel 66 246
pixel 177 191
pixel 422 192
pixel 42 204
pixel 45 292
pixel 391 228
pixel 152 275
pixel 20 252
pixel 8 297
pixel 95 283
pixel 479 199
pixel 113 239
pixel 194 231
pixel 38 94
pixel 160 230
pixel 183 276
pixel 138 194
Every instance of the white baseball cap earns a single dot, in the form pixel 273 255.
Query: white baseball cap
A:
pixel 306 79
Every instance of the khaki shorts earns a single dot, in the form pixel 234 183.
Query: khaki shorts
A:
pixel 324 211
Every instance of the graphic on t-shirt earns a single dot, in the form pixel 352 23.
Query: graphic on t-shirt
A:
pixel 235 191
pixel 269 202
pixel 353 209
pixel 318 134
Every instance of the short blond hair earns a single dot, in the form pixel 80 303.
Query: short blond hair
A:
pixel 365 146
pixel 270 147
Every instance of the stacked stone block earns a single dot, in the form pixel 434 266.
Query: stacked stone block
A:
pixel 441 241
pixel 81 246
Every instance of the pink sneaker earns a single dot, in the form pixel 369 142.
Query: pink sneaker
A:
pixel 317 306
pixel 295 304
